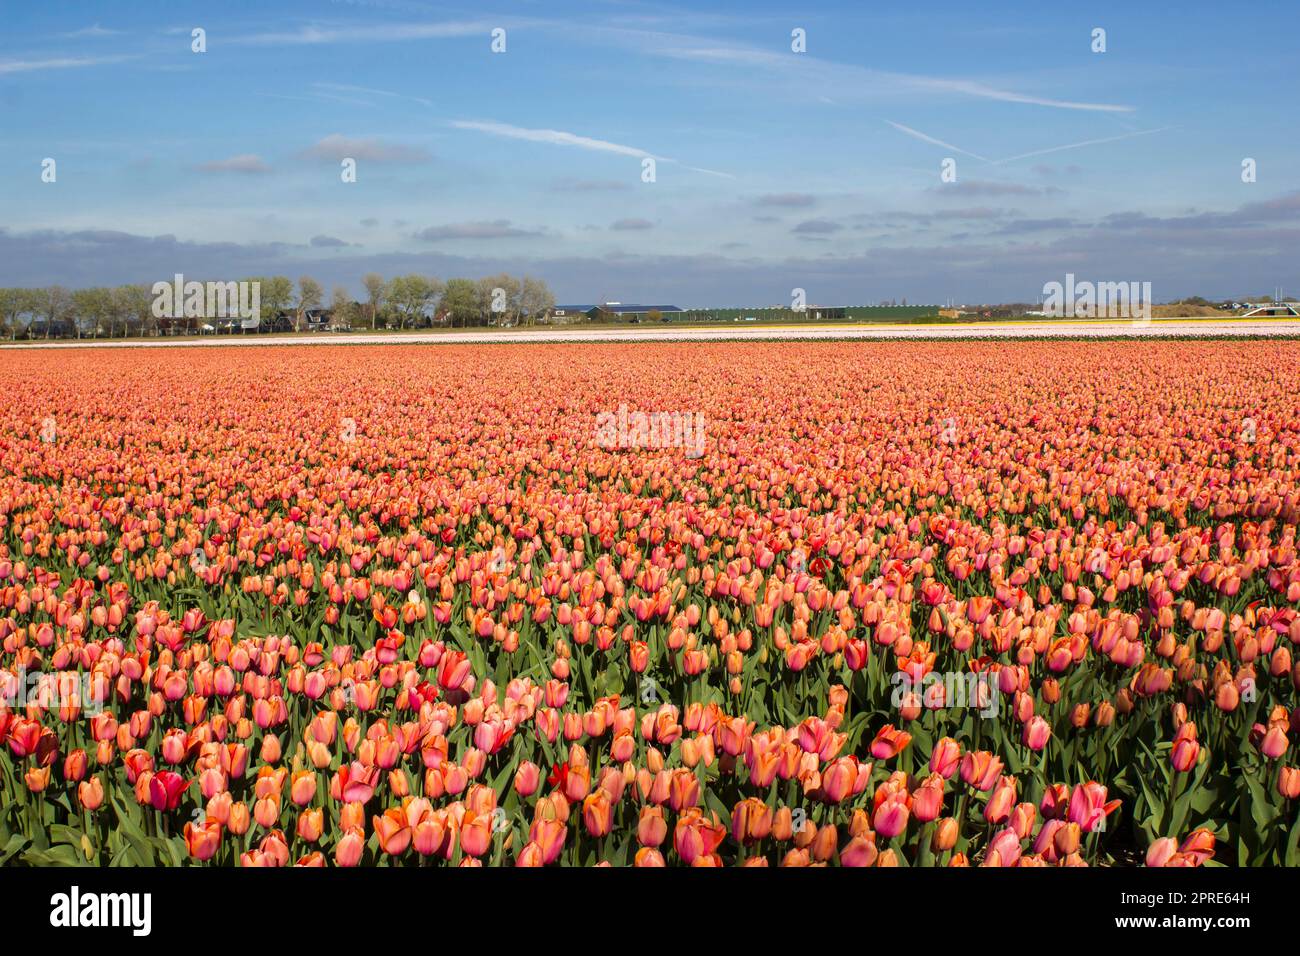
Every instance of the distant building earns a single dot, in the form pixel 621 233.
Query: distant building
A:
pixel 607 311
pixel 43 328
pixel 566 314
pixel 316 320
pixel 1276 309
pixel 283 321
pixel 816 312
pixel 630 312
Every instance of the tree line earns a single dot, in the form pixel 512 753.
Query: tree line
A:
pixel 493 300
pixel 402 302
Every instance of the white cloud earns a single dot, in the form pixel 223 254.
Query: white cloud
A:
pixel 244 163
pixel 353 33
pixel 57 63
pixel 494 229
pixel 844 78
pixel 337 147
pixel 93 31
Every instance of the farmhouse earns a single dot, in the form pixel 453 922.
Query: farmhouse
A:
pixel 316 320
pixel 42 328
pixel 566 314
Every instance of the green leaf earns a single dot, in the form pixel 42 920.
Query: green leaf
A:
pixel 16 842
pixel 61 855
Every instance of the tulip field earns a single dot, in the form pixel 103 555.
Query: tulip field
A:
pixel 910 604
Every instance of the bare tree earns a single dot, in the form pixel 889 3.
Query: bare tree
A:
pixel 341 306
pixel 506 290
pixel 13 304
pixel 310 295
pixel 53 303
pixel 483 299
pixel 535 299
pixel 135 303
pixel 377 290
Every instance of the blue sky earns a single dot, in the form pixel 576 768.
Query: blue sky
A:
pixel 774 169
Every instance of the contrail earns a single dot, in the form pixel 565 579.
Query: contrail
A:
pixel 930 139
pixel 1086 142
pixel 1037 152
pixel 558 137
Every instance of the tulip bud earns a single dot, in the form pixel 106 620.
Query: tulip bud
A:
pixel 1051 690
pixel 945 835
pixel 782 824
pixel 1288 782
